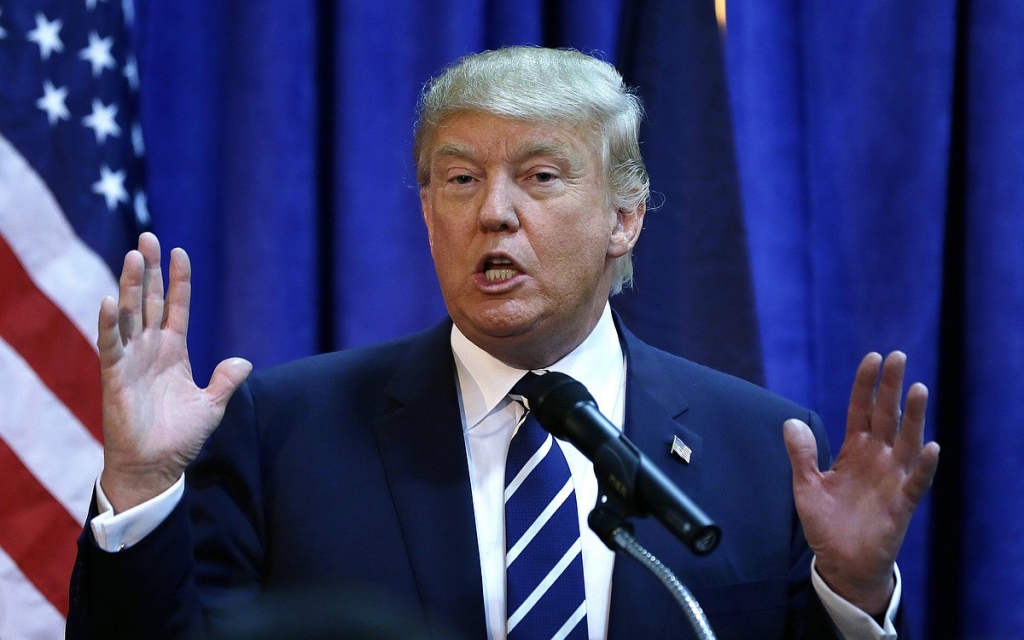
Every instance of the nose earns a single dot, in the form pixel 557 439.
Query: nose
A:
pixel 498 210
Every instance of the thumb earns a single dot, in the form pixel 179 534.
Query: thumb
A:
pixel 802 449
pixel 227 377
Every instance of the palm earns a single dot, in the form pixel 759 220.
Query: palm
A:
pixel 155 418
pixel 856 515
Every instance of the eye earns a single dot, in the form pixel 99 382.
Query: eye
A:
pixel 462 179
pixel 544 176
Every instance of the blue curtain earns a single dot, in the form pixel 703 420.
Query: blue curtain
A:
pixel 693 294
pixel 843 129
pixel 881 163
pixel 872 202
pixel 230 119
pixel 989 207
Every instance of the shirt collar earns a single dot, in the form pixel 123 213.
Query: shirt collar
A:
pixel 484 381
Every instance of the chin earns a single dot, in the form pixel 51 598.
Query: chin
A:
pixel 505 328
pixel 500 318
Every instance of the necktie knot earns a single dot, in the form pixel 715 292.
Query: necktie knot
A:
pixel 522 387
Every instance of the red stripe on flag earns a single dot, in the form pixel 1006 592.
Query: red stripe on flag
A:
pixel 51 344
pixel 35 530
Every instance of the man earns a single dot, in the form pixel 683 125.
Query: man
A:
pixel 385 467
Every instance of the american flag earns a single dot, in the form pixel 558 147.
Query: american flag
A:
pixel 71 204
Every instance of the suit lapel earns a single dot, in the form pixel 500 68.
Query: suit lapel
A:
pixel 655 409
pixel 656 413
pixel 423 450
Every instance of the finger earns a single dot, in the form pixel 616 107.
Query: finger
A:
pixel 911 437
pixel 152 281
pixel 803 451
pixel 862 396
pixel 921 477
pixel 109 339
pixel 226 378
pixel 885 418
pixel 129 297
pixel 179 292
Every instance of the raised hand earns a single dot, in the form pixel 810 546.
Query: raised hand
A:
pixel 155 418
pixel 856 515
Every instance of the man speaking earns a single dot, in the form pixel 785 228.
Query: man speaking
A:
pixel 413 468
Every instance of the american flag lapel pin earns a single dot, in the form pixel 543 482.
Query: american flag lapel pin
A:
pixel 680 450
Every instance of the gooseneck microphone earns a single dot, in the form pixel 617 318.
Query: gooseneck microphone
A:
pixel 565 408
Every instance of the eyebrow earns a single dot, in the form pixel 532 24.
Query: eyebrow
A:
pixel 451 150
pixel 536 148
pixel 525 150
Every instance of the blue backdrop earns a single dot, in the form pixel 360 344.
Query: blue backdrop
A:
pixel 831 178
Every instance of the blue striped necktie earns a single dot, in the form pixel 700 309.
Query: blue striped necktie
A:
pixel 543 557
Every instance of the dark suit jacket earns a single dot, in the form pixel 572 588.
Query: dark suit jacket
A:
pixel 350 469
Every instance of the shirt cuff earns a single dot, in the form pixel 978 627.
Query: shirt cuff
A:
pixel 852 622
pixel 116 532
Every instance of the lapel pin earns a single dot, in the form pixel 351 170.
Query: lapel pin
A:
pixel 680 450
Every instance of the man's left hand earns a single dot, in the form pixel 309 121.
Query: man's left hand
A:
pixel 856 515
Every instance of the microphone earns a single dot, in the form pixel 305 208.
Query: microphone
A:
pixel 565 408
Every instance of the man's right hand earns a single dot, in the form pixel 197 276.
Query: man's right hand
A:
pixel 155 418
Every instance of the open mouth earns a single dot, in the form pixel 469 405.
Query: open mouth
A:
pixel 498 269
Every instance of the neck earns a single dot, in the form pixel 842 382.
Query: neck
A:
pixel 538 349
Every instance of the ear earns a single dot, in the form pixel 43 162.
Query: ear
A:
pixel 628 225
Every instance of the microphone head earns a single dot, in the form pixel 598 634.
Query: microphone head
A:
pixel 553 395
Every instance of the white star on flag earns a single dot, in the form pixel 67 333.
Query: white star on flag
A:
pixel 47 36
pixel 98 53
pixel 111 187
pixel 53 102
pixel 103 121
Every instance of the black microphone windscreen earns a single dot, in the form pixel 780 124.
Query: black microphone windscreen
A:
pixel 553 395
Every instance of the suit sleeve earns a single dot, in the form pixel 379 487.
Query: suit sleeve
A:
pixel 193 564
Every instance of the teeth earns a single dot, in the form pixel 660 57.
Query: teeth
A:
pixel 498 269
pixel 494 275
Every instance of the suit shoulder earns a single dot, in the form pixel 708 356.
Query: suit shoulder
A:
pixel 733 405
pixel 700 382
pixel 372 364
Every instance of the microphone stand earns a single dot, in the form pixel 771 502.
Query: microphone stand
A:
pixel 608 520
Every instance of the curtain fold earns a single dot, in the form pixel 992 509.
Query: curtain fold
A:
pixel 864 132
pixel 992 378
pixel 229 111
pixel 843 131
pixel 693 293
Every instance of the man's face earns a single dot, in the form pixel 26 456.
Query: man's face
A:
pixel 522 234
